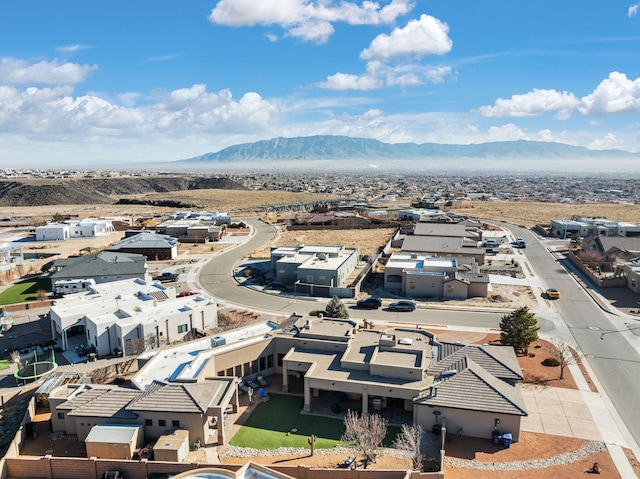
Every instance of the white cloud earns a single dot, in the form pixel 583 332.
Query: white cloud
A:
pixel 616 94
pixel 272 37
pixel 437 74
pixel 19 72
pixel 534 103
pixel 609 142
pixel 310 20
pixel 426 36
pixel 633 10
pixel 380 75
pixel 72 48
pixel 55 114
pixel 508 132
pixel 347 81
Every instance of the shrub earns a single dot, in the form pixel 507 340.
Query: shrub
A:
pixel 316 312
pixel 551 362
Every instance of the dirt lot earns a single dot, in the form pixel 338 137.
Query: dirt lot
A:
pixel 367 241
pixel 530 214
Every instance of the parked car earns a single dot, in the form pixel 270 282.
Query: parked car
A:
pixel 553 293
pixel 491 243
pixel 402 306
pixel 369 303
pixel 491 251
pixel 187 293
pixel 165 277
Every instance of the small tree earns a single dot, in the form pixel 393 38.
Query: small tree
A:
pixel 519 329
pixel 336 309
pixel 562 353
pixel 576 240
pixel 409 440
pixel 365 432
pixel 58 218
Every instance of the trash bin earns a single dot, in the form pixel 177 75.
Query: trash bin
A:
pixel 496 437
pixel 506 440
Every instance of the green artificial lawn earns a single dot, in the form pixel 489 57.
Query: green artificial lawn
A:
pixel 269 423
pixel 25 290
pixel 4 364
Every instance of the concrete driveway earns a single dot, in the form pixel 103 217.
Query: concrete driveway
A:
pixel 561 412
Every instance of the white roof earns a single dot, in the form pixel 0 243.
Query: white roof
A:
pixel 113 433
pixel 184 361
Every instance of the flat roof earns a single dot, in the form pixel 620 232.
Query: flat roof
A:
pixel 184 361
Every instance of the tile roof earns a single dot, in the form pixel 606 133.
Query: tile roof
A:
pixel 105 263
pixel 145 239
pixel 111 403
pixel 474 388
pixel 189 398
pixel 497 360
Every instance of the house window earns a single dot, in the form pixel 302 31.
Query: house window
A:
pixel 280 359
pixel 162 422
pixel 220 373
pixel 321 277
pixel 239 370
pixel 60 415
pixel 309 278
pixel 182 328
pixel 230 372
pixel 247 369
pixel 270 361
pixel 148 422
pixel 633 283
pixel 450 288
pixel 254 367
pixel 175 423
pixel 263 363
pixel 412 285
pixel 281 271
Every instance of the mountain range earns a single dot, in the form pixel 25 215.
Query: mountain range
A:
pixel 318 150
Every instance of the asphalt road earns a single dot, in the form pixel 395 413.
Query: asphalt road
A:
pixel 216 278
pixel 614 361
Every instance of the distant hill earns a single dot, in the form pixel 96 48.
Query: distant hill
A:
pixel 35 192
pixel 327 147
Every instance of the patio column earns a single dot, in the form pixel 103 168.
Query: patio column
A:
pixel 307 396
pixel 285 378
pixel 365 401
pixel 220 426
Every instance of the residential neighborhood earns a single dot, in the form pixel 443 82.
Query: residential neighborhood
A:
pixel 148 313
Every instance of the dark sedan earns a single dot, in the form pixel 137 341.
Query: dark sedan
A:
pixel 402 306
pixel 369 303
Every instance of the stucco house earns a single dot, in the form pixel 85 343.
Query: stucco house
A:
pixel 118 316
pixel 327 267
pixel 427 275
pixel 403 371
pixel 152 245
pixel 86 228
pixel 613 248
pixel 103 267
pixel 161 408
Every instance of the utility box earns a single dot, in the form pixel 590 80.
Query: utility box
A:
pixel 218 341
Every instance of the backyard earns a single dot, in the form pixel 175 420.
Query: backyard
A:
pixel 25 290
pixel 278 423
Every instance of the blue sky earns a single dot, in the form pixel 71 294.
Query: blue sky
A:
pixel 119 82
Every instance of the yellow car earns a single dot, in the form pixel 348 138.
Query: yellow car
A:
pixel 553 293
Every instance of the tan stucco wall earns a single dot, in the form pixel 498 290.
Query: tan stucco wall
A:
pixel 473 423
